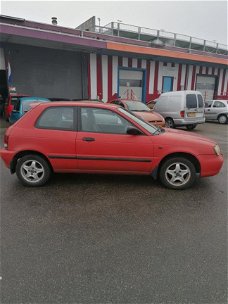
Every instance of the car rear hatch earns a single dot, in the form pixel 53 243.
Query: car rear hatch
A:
pixel 194 107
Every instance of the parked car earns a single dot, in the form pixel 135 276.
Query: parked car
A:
pixel 151 104
pixel 103 138
pixel 23 105
pixel 181 108
pixel 217 110
pixel 10 102
pixel 141 110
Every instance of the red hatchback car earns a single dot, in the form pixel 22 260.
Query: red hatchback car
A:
pixel 104 138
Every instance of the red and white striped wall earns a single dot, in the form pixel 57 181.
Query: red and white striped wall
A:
pixel 103 76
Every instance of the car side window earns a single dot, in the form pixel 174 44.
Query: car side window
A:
pixel 218 104
pixel 208 103
pixel 103 121
pixel 56 118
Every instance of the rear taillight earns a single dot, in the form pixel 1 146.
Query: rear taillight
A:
pixel 182 113
pixel 6 140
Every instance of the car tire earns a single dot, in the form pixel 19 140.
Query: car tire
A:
pixel 177 173
pixel 169 122
pixel 190 127
pixel 222 119
pixel 33 170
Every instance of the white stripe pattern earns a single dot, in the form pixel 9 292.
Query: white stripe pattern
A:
pixel 114 74
pixel 125 62
pixel 93 75
pixel 226 83
pixel 190 70
pixel 183 76
pixel 105 77
pixel 151 79
pixel 210 71
pixel 143 64
pixel 134 62
pixel 220 82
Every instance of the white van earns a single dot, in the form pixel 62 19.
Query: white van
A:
pixel 181 108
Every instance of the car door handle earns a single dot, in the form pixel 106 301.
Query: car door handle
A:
pixel 88 139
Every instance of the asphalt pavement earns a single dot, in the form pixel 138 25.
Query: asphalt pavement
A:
pixel 115 239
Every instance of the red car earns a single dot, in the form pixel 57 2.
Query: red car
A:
pixel 12 100
pixel 104 138
pixel 141 110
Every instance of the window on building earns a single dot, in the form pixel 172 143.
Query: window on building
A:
pixel 164 63
pixel 173 65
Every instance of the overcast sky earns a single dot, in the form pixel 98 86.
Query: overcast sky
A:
pixel 203 19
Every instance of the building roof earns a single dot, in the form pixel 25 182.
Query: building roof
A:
pixel 111 39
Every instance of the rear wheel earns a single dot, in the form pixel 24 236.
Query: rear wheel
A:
pixel 190 127
pixel 222 119
pixel 33 170
pixel 178 173
pixel 169 122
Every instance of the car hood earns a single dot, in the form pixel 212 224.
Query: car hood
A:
pixel 186 137
pixel 149 116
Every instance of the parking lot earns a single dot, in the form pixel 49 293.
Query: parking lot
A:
pixel 115 239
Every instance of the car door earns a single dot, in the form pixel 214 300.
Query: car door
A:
pixel 208 109
pixel 102 144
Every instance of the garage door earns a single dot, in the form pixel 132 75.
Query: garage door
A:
pixel 47 72
pixel 206 85
pixel 131 84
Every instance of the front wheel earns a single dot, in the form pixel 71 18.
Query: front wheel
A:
pixel 222 119
pixel 178 173
pixel 33 170
pixel 169 122
pixel 190 127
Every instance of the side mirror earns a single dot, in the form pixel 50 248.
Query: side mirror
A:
pixel 133 131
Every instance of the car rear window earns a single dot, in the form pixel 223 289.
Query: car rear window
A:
pixel 200 101
pixel 57 118
pixel 191 101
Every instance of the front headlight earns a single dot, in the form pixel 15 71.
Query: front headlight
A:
pixel 217 150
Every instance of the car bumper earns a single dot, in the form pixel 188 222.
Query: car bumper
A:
pixel 185 122
pixel 210 164
pixel 7 156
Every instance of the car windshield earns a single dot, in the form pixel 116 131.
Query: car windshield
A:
pixel 150 128
pixel 26 105
pixel 136 106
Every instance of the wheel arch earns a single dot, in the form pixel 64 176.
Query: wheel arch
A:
pixel 222 114
pixel 20 154
pixel 188 156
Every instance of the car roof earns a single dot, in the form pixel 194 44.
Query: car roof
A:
pixel 182 93
pixel 32 98
pixel 127 100
pixel 88 103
